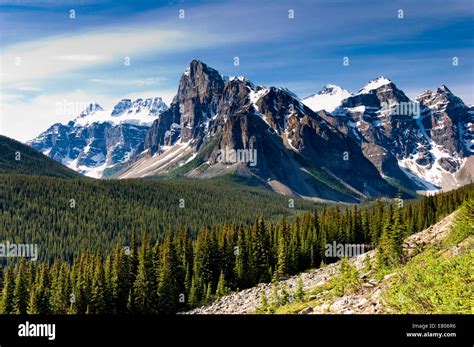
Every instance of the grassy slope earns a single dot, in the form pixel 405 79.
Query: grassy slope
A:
pixel 440 279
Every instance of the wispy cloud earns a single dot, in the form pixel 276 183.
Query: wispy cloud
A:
pixel 129 82
pixel 54 57
pixel 46 57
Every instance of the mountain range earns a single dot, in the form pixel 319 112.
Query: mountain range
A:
pixel 333 145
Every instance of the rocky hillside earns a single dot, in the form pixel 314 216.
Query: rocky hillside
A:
pixel 367 298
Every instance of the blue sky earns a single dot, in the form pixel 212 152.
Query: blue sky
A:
pixel 80 60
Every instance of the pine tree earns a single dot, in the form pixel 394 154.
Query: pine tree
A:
pixel 120 281
pixel 397 233
pixel 6 306
pixel 209 296
pixel 98 294
pixel 221 289
pixel 282 258
pixel 145 288
pixel 167 285
pixel 264 307
pixel 299 293
pixel 21 292
pixel 260 252
pixel 39 298
pixel 59 294
pixel 193 294
pixel 284 295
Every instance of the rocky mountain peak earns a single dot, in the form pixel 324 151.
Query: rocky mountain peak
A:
pixel 375 84
pixel 121 106
pixel 328 98
pixel 444 89
pixel 331 89
pixel 92 107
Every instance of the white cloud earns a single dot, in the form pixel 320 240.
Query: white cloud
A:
pixel 28 70
pixel 24 118
pixel 128 82
pixel 53 57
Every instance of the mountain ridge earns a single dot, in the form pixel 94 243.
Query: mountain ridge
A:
pixel 363 149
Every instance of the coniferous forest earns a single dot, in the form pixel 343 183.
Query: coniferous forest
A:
pixel 91 267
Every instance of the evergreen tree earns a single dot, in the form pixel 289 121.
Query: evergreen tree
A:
pixel 6 306
pixel 120 281
pixel 21 291
pixel 221 288
pixel 193 294
pixel 39 298
pixel 299 293
pixel 282 258
pixel 260 252
pixel 168 290
pixel 98 295
pixel 145 288
pixel 209 296
pixel 59 297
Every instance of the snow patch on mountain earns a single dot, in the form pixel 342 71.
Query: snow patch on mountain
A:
pixel 139 112
pixel 328 99
pixel 374 84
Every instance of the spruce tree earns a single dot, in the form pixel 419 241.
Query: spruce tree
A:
pixel 120 281
pixel 6 306
pixel 39 298
pixel 98 294
pixel 282 258
pixel 168 293
pixel 59 294
pixel 260 252
pixel 221 289
pixel 144 288
pixel 21 292
pixel 299 293
pixel 209 296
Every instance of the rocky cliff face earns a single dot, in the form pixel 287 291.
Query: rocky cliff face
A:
pixel 195 105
